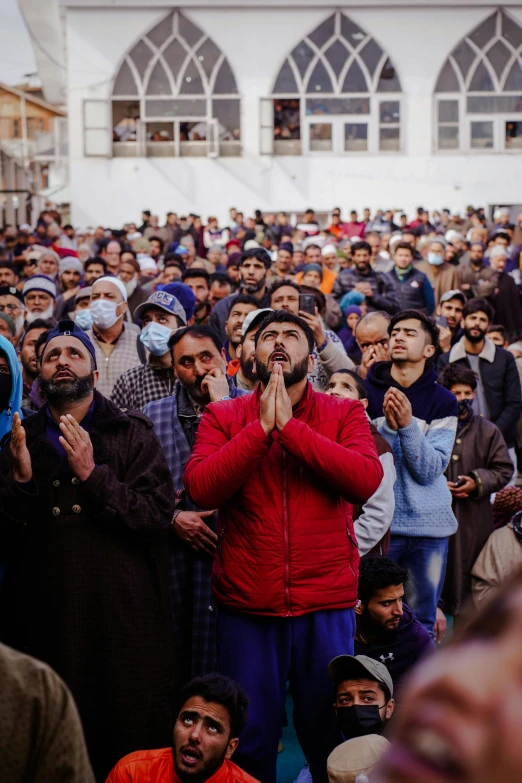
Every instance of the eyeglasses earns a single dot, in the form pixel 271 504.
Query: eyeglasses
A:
pixel 11 308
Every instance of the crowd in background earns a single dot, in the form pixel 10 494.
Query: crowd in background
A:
pixel 282 453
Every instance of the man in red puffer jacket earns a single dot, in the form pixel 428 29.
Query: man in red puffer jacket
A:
pixel 283 466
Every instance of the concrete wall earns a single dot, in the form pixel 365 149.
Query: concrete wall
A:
pixel 256 41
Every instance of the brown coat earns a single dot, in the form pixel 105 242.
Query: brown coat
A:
pixel 443 278
pixel 86 586
pixel 480 452
pixel 482 282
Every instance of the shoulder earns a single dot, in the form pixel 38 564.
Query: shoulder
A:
pixel 235 773
pixel 160 409
pixel 443 403
pixel 143 758
pixel 332 336
pixel 133 374
pixel 504 357
pixel 27 678
pixel 225 304
pixel 139 419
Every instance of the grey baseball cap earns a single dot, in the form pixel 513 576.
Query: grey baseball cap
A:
pixel 453 294
pixel 346 667
pixel 164 301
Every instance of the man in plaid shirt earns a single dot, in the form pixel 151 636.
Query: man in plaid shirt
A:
pixel 160 315
pixel 199 364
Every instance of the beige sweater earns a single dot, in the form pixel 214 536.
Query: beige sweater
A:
pixel 501 555
pixel 41 737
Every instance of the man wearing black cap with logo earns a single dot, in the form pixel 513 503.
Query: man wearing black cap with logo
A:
pixel 160 316
pixel 363 695
pixel 86 494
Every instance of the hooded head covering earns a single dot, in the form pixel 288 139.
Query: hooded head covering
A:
pixel 313 268
pixel 70 263
pixel 15 397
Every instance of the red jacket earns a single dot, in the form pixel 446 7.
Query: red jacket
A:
pixel 286 539
pixel 157 766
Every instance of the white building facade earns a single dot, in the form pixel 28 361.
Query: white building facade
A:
pixel 199 106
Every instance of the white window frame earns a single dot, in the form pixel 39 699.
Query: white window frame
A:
pixel 105 128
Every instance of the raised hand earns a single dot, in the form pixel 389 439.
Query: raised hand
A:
pixel 400 407
pixel 267 406
pixel 283 404
pixel 78 447
pixel 216 385
pixel 22 467
pixel 389 413
pixel 189 526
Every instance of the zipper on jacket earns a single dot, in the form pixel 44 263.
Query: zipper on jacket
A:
pixel 288 606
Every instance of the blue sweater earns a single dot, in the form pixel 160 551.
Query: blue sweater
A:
pixel 421 450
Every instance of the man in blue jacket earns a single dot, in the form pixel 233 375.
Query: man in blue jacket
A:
pixel 418 418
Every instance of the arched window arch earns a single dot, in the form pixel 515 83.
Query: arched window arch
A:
pixel 337 91
pixel 478 95
pixel 175 94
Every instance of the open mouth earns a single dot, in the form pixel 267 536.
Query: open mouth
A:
pixel 64 376
pixel 279 356
pixel 190 756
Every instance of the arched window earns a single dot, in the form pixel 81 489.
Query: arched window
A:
pixel 337 92
pixel 175 94
pixel 478 95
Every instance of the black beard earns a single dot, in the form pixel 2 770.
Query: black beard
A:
pixel 296 374
pixel 474 338
pixel 60 392
pixel 254 289
pixel 247 369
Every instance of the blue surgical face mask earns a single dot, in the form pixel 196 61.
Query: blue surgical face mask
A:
pixel 155 338
pixel 84 319
pixel 435 258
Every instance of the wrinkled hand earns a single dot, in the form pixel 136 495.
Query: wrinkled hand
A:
pixel 77 444
pixel 316 325
pixel 440 627
pixel 189 526
pixel 216 385
pixel 444 338
pixel 465 490
pixel 283 405
pixel 22 467
pixel 400 407
pixel 267 405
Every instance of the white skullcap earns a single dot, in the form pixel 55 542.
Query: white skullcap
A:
pixel 115 281
pixel 498 252
pixel 250 244
pixel 328 250
pixel 146 262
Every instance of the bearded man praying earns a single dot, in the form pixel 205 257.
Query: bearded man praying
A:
pixel 86 500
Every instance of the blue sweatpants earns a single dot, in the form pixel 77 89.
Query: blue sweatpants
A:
pixel 263 654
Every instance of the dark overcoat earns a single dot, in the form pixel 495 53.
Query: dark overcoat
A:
pixel 86 586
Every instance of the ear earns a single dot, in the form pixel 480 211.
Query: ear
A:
pixel 438 311
pixel 462 323
pixel 429 350
pixel 389 709
pixel 359 608
pixel 311 363
pixel 96 378
pixel 364 402
pixel 238 351
pixel 223 355
pixel 231 748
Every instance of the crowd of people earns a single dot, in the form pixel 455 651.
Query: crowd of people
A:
pixel 239 458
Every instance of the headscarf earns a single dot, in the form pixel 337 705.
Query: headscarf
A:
pixel 15 399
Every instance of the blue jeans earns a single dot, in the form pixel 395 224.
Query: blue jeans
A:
pixel 263 654
pixel 425 561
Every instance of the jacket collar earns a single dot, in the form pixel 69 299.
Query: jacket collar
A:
pixel 297 409
pixel 458 352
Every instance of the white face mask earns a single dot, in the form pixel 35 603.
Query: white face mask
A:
pixel 104 313
pixel 34 315
pixel 84 319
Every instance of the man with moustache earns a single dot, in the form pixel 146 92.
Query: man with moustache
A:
pixel 284 465
pixel 498 395
pixel 86 500
pixel 246 376
pixel 199 365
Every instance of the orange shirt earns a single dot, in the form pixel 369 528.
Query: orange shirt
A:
pixel 157 766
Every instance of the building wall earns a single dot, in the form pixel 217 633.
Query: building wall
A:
pixel 256 40
pixel 38 118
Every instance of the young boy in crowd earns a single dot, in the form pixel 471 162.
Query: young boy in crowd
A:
pixel 373 519
pixel 479 465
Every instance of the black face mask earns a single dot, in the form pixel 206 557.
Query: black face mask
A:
pixel 6 385
pixel 359 720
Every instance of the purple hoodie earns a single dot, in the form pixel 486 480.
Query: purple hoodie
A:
pixel 399 650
